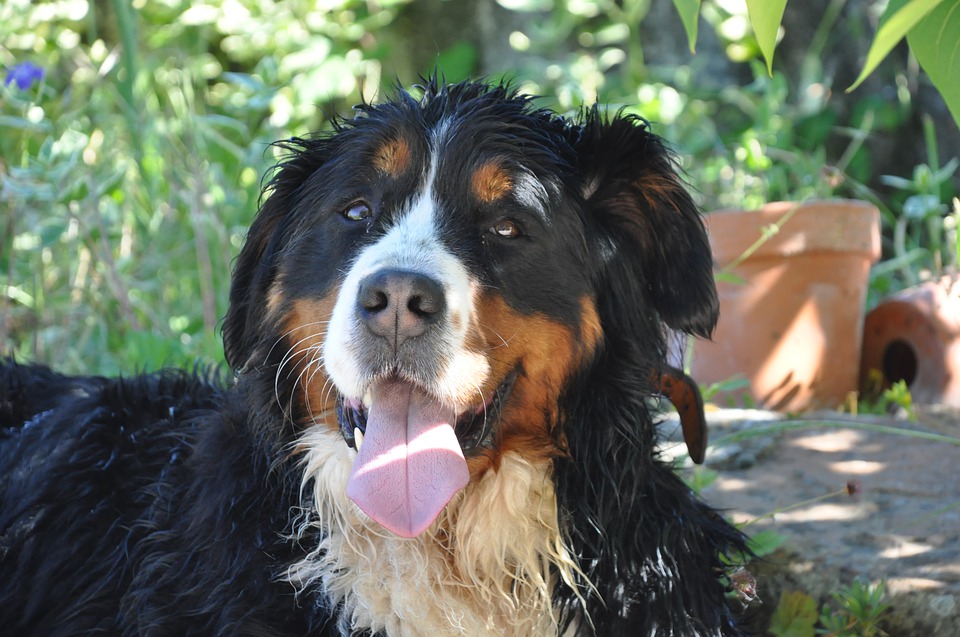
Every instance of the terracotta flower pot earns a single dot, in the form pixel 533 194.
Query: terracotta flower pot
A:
pixel 792 326
pixel 914 336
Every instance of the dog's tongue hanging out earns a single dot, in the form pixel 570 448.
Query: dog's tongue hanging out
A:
pixel 410 463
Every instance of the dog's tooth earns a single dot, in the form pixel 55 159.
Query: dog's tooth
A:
pixel 368 398
pixel 357 437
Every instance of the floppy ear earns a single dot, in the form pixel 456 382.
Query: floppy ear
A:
pixel 255 267
pixel 633 191
pixel 650 549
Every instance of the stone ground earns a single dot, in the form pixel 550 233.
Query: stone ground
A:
pixel 903 525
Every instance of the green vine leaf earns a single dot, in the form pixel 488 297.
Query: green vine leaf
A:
pixel 936 44
pixel 898 20
pixel 689 11
pixel 766 16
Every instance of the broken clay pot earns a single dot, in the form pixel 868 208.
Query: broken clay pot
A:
pixel 914 336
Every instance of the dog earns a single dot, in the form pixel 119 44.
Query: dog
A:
pixel 448 333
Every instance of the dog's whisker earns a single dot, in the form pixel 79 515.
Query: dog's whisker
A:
pixel 295 352
pixel 309 355
pixel 504 342
pixel 316 367
pixel 266 358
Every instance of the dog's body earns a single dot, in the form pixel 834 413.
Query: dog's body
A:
pixel 475 295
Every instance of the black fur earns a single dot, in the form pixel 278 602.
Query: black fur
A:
pixel 652 548
pixel 163 504
pixel 137 507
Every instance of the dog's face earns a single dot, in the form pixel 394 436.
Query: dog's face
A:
pixel 429 278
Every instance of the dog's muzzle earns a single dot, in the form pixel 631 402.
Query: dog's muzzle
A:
pixel 409 461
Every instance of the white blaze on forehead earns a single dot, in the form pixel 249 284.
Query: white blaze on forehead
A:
pixel 413 243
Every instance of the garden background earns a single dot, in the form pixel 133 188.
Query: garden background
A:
pixel 134 137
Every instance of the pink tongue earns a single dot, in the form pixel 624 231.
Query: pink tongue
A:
pixel 410 463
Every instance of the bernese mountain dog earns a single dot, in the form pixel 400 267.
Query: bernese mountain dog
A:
pixel 448 333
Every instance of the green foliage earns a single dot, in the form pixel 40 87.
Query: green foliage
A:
pixel 860 609
pixel 930 27
pixel 128 174
pixel 922 214
pixel 795 616
pixel 130 171
pixel 900 18
pixel 858 612
pixel 934 41
pixel 700 478
pixel 729 385
pixel 689 11
pixel 764 543
pixel 458 61
pixel 896 398
pixel 765 16
pixel 773 147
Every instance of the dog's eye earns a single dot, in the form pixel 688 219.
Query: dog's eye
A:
pixel 358 211
pixel 506 229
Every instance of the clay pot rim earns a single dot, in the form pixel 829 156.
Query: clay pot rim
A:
pixel 848 226
pixel 781 207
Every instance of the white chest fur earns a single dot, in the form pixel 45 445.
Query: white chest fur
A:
pixel 483 568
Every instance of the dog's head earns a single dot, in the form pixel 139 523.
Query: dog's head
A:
pixel 430 277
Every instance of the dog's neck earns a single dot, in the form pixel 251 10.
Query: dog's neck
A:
pixel 491 560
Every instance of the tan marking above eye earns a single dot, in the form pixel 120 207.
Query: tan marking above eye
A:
pixel 392 157
pixel 490 182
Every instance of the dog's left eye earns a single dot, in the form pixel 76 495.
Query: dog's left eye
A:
pixel 358 211
pixel 506 229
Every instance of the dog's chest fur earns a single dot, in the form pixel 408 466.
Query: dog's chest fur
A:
pixel 486 567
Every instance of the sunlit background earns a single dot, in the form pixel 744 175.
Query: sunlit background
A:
pixel 134 138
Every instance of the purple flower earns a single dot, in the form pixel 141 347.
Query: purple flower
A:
pixel 24 75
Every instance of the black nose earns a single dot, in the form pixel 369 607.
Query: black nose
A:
pixel 398 305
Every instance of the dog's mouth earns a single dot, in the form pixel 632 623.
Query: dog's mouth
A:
pixel 411 450
pixel 474 427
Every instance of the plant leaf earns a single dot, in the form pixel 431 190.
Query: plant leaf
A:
pixel 729 277
pixel 766 16
pixel 765 542
pixel 900 17
pixel 689 11
pixel 795 615
pixel 936 44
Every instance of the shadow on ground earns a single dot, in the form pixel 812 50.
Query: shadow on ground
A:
pixel 902 526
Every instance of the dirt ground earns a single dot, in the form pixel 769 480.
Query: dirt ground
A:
pixel 902 525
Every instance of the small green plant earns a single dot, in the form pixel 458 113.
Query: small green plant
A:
pixel 857 612
pixel 860 610
pixel 895 399
pixel 899 395
pixel 921 217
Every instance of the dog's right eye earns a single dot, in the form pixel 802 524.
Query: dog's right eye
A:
pixel 506 229
pixel 357 211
